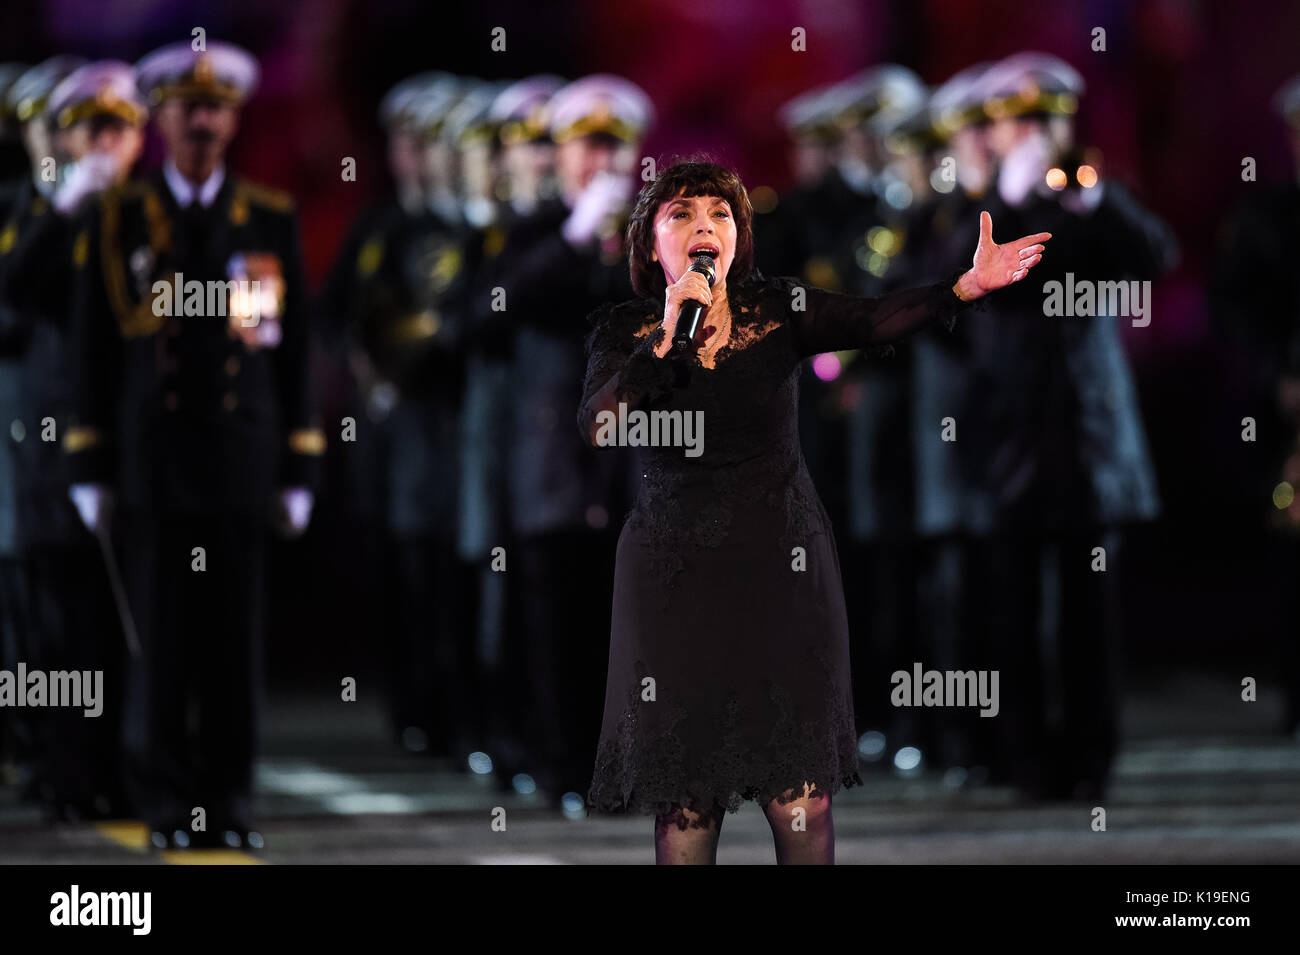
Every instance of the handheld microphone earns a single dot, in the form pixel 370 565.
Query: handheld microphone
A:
pixel 692 312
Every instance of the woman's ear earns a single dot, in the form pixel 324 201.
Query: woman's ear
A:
pixel 654 255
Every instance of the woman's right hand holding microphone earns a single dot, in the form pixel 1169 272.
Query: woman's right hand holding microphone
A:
pixel 691 287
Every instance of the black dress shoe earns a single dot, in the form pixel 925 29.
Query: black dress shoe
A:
pixel 242 837
pixel 515 780
pixel 571 799
pixel 169 835
pixel 88 808
pixel 237 834
pixel 214 837
pixel 178 835
pixel 109 804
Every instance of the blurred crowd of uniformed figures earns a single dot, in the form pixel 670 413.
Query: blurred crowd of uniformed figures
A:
pixel 457 304
pixel 153 434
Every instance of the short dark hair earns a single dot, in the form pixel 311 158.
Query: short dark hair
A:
pixel 695 176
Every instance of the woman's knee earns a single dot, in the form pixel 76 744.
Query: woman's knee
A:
pixel 683 837
pixel 811 811
pixel 681 819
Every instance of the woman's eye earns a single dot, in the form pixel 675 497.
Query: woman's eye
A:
pixel 722 213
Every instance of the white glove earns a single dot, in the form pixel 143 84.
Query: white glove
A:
pixel 606 195
pixel 1024 169
pixel 89 175
pixel 294 511
pixel 858 175
pixel 381 400
pixel 94 503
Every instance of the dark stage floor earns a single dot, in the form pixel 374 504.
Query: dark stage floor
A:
pixel 1197 782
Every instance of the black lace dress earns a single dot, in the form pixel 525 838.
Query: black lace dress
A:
pixel 729 652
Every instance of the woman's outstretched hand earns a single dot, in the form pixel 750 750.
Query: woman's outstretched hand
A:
pixel 996 266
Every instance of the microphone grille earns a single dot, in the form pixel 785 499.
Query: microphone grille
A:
pixel 704 264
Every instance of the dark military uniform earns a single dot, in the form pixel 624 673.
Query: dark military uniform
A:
pixel 195 421
pixel 880 478
pixel 904 503
pixel 486 417
pixel 566 500
pixel 940 239
pixel 400 288
pixel 804 234
pixel 24 608
pixel 68 602
pixel 854 430
pixel 19 205
pixel 1054 448
pixel 809 234
pixel 489 343
pixel 1255 297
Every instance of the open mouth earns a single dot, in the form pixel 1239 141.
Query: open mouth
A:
pixel 704 248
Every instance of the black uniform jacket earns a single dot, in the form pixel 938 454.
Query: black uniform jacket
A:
pixel 209 410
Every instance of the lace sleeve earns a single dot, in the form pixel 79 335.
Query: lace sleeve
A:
pixel 833 321
pixel 620 367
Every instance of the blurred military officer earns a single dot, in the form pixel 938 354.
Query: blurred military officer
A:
pixel 398 292
pixel 809 123
pixel 940 233
pixel 889 101
pixel 1053 435
pixel 879 474
pixel 195 422
pixel 527 152
pixel 507 157
pixel 14 161
pixel 815 215
pixel 565 500
pixel 1255 299
pixel 97 118
pixel 363 483
pixel 794 236
pixel 361 314
pixel 460 166
pixel 471 130
pixel 833 219
pixel 363 479
pixel 24 202
pixel 441 161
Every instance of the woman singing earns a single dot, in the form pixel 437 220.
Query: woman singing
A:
pixel 729 652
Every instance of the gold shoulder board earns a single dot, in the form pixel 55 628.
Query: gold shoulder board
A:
pixel 276 199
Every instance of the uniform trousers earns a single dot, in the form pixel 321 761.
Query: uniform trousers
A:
pixel 17 643
pixel 192 696
pixel 566 592
pixel 1054 636
pixel 432 647
pixel 73 614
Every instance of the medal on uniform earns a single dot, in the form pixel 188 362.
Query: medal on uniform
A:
pixel 142 263
pixel 255 310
